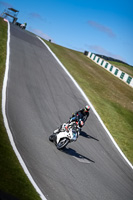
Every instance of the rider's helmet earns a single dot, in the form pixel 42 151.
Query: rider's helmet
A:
pixel 81 123
pixel 87 108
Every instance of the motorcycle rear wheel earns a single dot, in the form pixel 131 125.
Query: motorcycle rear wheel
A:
pixel 52 138
pixel 62 143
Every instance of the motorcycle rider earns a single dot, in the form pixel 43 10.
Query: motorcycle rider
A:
pixel 23 26
pixel 81 116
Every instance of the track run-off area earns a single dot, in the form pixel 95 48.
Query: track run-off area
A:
pixel 40 96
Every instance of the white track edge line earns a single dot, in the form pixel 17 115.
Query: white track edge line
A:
pixel 6 121
pixel 88 101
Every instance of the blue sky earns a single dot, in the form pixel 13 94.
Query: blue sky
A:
pixel 103 27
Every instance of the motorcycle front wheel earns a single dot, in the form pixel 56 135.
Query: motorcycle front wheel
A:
pixel 62 143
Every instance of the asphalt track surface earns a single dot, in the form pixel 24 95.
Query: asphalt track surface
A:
pixel 40 97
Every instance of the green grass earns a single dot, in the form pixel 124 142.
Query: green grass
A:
pixel 111 97
pixel 13 180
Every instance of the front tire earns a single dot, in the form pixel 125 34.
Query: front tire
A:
pixel 62 143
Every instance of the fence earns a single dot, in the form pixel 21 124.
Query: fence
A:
pixel 112 69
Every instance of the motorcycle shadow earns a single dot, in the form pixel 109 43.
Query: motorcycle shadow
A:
pixel 84 134
pixel 73 153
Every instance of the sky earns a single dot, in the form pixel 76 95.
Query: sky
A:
pixel 100 26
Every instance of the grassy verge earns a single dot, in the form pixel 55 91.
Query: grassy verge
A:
pixel 112 98
pixel 13 181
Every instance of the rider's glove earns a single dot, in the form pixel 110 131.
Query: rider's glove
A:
pixel 70 120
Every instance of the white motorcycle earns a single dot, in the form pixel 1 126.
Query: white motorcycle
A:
pixel 68 132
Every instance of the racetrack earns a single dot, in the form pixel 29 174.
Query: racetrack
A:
pixel 40 97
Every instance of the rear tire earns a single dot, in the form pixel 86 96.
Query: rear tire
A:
pixel 52 138
pixel 62 143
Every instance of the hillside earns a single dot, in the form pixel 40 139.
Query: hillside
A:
pixel 112 98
